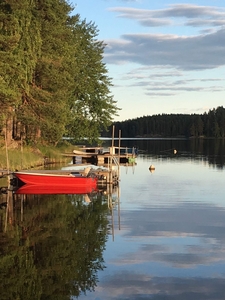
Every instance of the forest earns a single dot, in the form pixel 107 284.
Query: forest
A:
pixel 53 81
pixel 210 124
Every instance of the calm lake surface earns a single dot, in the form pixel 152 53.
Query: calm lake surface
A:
pixel 160 235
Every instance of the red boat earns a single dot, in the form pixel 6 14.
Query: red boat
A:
pixel 30 189
pixel 57 179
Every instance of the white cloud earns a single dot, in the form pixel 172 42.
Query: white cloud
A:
pixel 201 15
pixel 184 53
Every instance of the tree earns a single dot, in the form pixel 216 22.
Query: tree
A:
pixel 45 109
pixel 18 53
pixel 53 80
pixel 92 105
pixel 220 116
pixel 211 124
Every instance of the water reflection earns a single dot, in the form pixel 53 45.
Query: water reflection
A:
pixel 173 253
pixel 30 189
pixel 211 150
pixel 168 244
pixel 172 242
pixel 52 245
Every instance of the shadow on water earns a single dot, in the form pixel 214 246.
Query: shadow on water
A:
pixel 210 150
pixel 51 246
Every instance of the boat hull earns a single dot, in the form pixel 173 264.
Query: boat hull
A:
pixel 56 179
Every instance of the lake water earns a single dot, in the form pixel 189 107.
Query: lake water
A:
pixel 160 236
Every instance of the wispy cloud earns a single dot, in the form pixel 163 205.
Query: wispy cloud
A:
pixel 185 53
pixel 201 15
pixel 171 46
pixel 200 51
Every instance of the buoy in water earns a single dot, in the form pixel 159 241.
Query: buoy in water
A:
pixel 174 151
pixel 152 167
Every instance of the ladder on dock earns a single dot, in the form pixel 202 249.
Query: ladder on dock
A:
pixel 113 176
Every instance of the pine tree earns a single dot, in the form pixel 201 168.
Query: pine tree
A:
pixel 20 45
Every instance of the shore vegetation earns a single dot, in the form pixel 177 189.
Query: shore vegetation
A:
pixel 28 157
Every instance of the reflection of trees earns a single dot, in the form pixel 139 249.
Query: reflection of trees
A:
pixel 211 150
pixel 55 251
pixel 215 152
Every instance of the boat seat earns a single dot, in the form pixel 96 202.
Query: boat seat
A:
pixel 76 174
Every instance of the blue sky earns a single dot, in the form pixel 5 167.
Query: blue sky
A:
pixel 163 56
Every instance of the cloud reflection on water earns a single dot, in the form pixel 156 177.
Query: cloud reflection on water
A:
pixel 138 286
pixel 181 257
pixel 172 240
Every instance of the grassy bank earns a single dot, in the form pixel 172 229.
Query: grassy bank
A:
pixel 29 157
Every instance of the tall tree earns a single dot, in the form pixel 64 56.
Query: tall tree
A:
pixel 45 109
pixel 19 47
pixel 92 105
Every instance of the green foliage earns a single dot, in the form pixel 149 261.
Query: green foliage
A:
pixel 211 124
pixel 27 285
pixel 91 106
pixel 52 75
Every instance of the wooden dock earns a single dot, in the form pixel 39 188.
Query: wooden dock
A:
pixel 100 157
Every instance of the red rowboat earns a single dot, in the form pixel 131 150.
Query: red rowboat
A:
pixel 36 189
pixel 56 179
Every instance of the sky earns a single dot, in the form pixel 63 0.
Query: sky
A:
pixel 163 57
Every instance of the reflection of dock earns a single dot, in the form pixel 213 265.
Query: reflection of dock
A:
pixel 113 205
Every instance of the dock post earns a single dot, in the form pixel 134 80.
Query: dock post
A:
pixel 119 154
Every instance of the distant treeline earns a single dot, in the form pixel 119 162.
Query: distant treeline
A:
pixel 211 124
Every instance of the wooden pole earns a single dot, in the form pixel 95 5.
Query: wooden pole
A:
pixel 113 132
pixel 112 153
pixel 6 152
pixel 119 206
pixel 119 142
pixel 22 152
pixel 119 155
pixel 7 157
